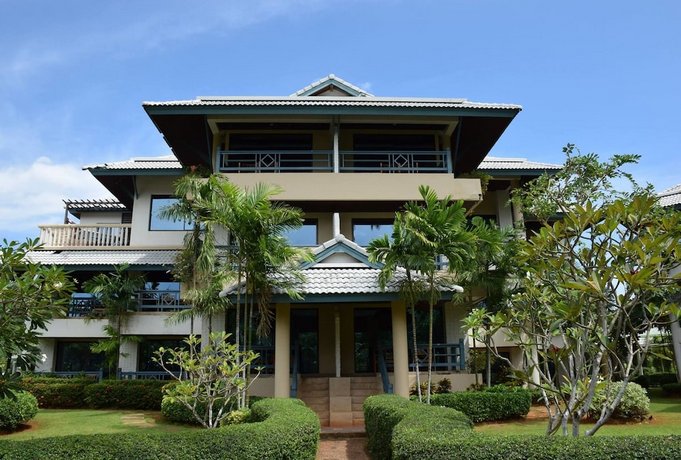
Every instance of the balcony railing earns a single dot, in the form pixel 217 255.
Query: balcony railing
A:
pixel 322 161
pixel 83 304
pixel 69 235
pixel 275 161
pixel 395 161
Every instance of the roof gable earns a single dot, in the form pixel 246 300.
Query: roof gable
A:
pixel 340 252
pixel 333 86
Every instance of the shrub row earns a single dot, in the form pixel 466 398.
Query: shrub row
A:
pixel 282 429
pixel 484 406
pixel 655 380
pixel 396 429
pixel 119 394
pixel 383 413
pixel 671 389
pixel 178 412
pixel 15 411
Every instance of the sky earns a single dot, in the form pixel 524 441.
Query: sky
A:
pixel 604 75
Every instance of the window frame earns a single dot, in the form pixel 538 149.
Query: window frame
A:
pixel 308 221
pixel 151 214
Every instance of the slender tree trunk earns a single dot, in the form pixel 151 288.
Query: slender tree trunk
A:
pixel 488 364
pixel 430 350
pixel 675 329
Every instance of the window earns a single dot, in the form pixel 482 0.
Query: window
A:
pixel 77 357
pixel 304 236
pixel 147 351
pixel 156 222
pixel 365 230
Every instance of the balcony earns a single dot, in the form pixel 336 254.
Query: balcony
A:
pixel 296 161
pixel 84 236
pixel 83 304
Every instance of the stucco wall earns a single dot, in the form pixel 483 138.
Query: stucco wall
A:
pixel 140 235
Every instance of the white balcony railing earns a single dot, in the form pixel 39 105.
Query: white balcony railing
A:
pixel 77 236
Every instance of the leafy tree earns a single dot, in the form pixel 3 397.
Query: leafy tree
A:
pixel 118 294
pixel 209 377
pixel 595 285
pixel 30 296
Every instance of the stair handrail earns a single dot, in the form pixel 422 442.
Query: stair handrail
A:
pixel 294 372
pixel 383 369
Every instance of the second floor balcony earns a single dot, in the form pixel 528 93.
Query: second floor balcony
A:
pixel 353 161
pixel 83 304
pixel 84 236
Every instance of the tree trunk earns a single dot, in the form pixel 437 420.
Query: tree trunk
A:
pixel 675 328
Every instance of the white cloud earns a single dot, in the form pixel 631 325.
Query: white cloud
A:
pixel 32 194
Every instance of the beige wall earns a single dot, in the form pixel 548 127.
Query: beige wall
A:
pixel 94 218
pixel 138 324
pixel 140 235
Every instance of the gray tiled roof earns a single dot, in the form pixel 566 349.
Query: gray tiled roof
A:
pixel 163 162
pixel 671 196
pixel 349 101
pixel 341 281
pixel 491 163
pixel 105 204
pixel 107 258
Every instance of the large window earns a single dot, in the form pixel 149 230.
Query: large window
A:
pixel 157 222
pixel 147 352
pixel 365 230
pixel 305 236
pixel 77 357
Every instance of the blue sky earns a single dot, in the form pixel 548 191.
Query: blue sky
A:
pixel 604 75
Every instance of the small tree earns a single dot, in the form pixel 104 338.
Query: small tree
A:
pixel 30 296
pixel 595 285
pixel 210 378
pixel 118 293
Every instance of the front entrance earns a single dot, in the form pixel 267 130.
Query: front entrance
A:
pixel 373 338
pixel 305 337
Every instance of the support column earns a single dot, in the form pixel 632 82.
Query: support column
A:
pixel 400 349
pixel 336 149
pixel 282 351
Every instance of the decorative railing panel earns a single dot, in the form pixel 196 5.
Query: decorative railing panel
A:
pixel 69 235
pixel 83 304
pixel 395 161
pixel 275 161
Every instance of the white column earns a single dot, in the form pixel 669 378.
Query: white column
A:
pixel 504 213
pixel 336 224
pixel 282 351
pixel 336 149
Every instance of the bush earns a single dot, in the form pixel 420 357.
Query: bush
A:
pixel 125 394
pixel 443 386
pixel 177 412
pixel 396 430
pixel 656 379
pixel 635 404
pixel 671 389
pixel 18 410
pixel 382 413
pixel 485 406
pixel 281 429
pixel 57 395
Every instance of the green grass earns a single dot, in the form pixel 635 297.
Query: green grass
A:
pixel 62 422
pixel 666 420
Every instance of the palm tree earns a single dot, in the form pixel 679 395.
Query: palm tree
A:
pixel 118 294
pixel 200 200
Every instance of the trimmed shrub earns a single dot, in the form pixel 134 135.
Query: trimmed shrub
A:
pixel 178 412
pixel 18 410
pixel 656 379
pixel 125 394
pixel 485 406
pixel 382 413
pixel 671 389
pixel 57 395
pixel 282 429
pixel 635 404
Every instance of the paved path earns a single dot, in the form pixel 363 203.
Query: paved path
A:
pixel 137 420
pixel 342 448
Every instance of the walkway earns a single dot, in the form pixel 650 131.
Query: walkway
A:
pixel 342 444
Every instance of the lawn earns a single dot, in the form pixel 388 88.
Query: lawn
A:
pixel 666 419
pixel 62 422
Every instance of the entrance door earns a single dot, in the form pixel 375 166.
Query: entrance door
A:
pixel 373 333
pixel 305 335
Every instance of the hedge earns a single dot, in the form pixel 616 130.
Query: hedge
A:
pixel 125 394
pixel 382 413
pixel 282 429
pixel 177 412
pixel 57 395
pixel 398 430
pixel 671 389
pixel 657 379
pixel 17 410
pixel 485 406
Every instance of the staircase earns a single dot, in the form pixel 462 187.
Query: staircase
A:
pixel 314 391
pixel 347 400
